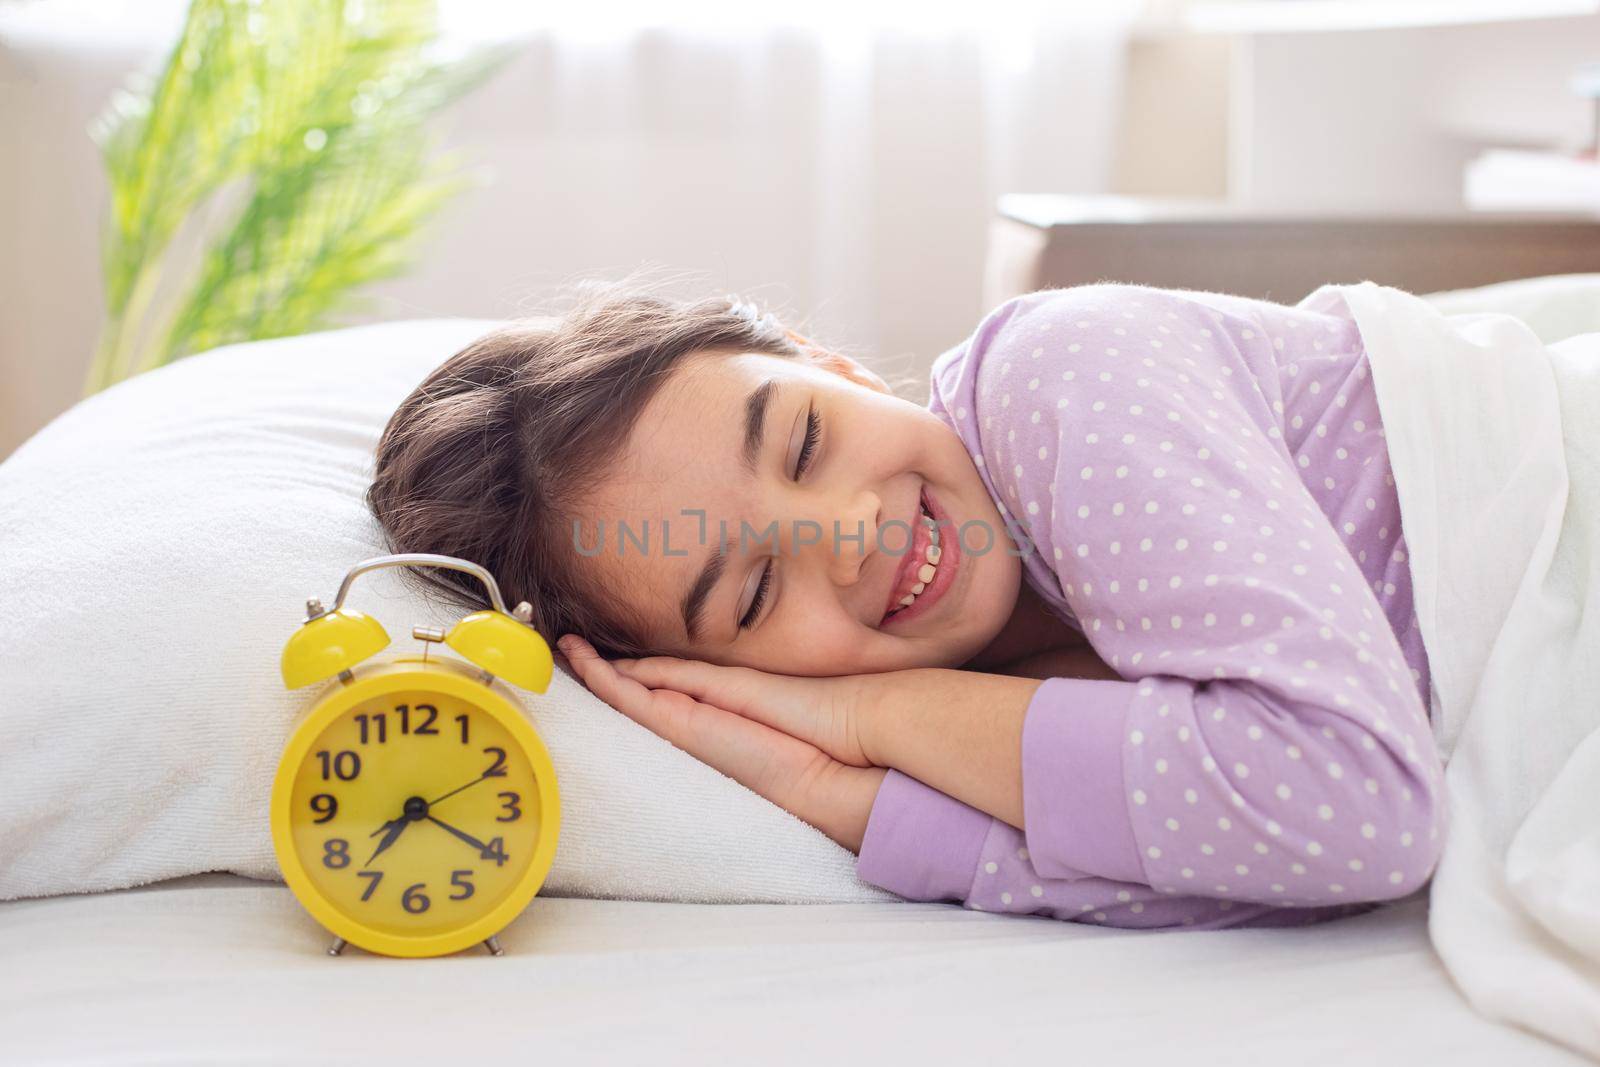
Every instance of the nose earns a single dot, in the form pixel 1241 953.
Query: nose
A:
pixel 840 538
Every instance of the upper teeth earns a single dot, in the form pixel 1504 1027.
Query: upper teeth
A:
pixel 925 572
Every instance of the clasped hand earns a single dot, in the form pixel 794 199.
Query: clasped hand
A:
pixel 800 742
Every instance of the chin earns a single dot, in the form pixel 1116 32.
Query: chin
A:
pixel 991 611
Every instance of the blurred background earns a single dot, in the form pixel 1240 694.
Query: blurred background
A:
pixel 879 173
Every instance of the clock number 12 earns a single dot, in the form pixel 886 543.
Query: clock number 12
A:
pixel 425 726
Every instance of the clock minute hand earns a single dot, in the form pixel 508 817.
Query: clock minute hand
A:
pixel 462 834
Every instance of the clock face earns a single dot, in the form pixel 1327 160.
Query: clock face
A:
pixel 415 813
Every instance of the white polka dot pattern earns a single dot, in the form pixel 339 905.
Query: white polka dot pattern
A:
pixel 1177 470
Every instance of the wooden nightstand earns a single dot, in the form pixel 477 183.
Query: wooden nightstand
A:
pixel 1041 241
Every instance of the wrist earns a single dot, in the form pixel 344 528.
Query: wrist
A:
pixel 875 700
pixel 864 797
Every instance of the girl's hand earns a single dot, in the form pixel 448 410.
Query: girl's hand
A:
pixel 795 741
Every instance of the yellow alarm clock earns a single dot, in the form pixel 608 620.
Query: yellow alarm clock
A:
pixel 414 811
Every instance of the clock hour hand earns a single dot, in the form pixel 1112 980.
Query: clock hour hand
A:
pixel 394 826
pixel 415 808
pixel 462 834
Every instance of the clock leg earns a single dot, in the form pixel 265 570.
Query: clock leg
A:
pixel 493 945
pixel 337 946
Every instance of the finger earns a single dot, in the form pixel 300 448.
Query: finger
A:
pixel 820 711
pixel 726 687
pixel 624 694
pixel 771 699
pixel 747 751
pixel 594 669
pixel 797 776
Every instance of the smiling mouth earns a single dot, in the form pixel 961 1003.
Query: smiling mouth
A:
pixel 921 567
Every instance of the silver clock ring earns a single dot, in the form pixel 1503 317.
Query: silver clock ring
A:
pixel 426 559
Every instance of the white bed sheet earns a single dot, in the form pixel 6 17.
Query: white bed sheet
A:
pixel 219 969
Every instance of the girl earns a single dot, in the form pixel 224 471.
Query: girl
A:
pixel 1107 632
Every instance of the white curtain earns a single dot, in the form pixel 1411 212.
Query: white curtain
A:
pixel 839 163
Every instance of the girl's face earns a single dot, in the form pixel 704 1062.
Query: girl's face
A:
pixel 813 476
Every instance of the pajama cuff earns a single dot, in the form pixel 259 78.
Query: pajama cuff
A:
pixel 920 843
pixel 1074 801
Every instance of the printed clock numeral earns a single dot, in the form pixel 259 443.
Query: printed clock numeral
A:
pixel 425 726
pixel 497 769
pixel 344 766
pixel 414 900
pixel 380 726
pixel 510 813
pixel 462 880
pixel 336 853
pixel 496 851
pixel 376 876
pixel 325 805
pixel 462 719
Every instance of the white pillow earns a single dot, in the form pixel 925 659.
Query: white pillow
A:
pixel 157 546
pixel 1555 307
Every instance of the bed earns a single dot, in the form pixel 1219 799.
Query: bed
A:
pixel 220 969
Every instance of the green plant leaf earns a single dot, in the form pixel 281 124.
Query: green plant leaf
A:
pixel 304 126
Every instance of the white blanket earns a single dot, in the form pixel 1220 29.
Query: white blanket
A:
pixel 1494 437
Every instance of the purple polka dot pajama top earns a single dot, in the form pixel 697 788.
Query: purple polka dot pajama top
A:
pixel 1206 489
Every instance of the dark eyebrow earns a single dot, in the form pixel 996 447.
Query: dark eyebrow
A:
pixel 755 428
pixel 694 602
pixel 755 421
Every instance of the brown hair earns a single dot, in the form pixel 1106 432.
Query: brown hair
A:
pixel 488 458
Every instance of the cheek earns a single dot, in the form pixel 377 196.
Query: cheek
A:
pixel 824 640
pixel 994 594
pixel 825 643
pixel 901 438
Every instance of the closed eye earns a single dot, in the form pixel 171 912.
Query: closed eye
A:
pixel 760 598
pixel 809 447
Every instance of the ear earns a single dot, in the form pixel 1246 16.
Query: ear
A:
pixel 839 364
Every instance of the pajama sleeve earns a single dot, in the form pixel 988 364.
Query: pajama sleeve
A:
pixel 1268 745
